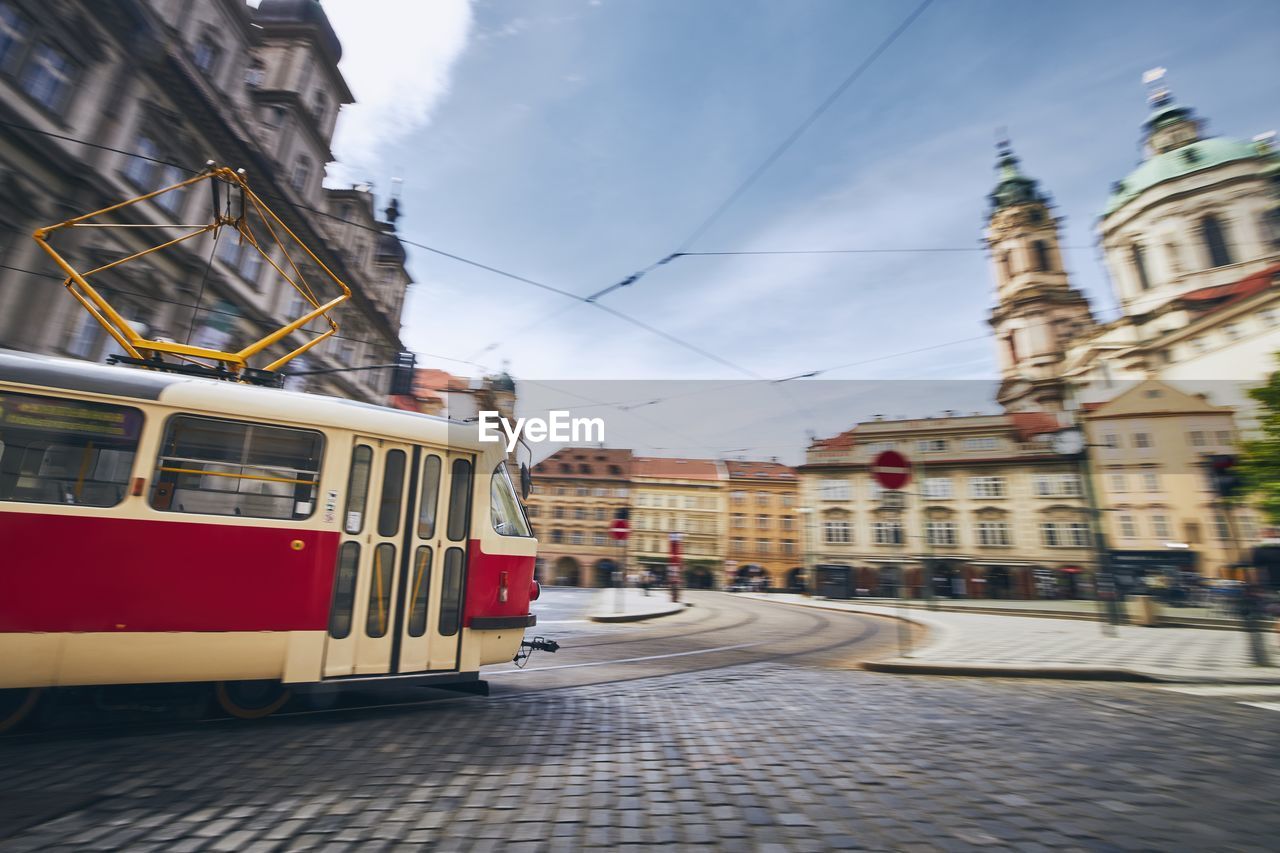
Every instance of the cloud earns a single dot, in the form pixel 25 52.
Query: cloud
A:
pixel 398 58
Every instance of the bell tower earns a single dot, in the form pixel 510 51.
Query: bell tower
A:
pixel 1037 312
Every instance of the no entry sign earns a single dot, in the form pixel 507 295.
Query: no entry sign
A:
pixel 620 529
pixel 891 470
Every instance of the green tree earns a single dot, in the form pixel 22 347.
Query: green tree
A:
pixel 1260 460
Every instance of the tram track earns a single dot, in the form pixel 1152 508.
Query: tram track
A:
pixel 754 632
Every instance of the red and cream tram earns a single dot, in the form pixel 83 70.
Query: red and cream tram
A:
pixel 156 527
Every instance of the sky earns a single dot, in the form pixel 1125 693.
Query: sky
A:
pixel 575 142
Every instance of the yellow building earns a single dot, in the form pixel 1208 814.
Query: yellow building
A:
pixel 764 535
pixel 685 497
pixel 1149 450
pixel 576 493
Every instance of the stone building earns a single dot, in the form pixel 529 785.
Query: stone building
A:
pixel 182 83
pixel 684 497
pixel 991 507
pixel 764 532
pixel 1191 240
pixel 1149 449
pixel 576 492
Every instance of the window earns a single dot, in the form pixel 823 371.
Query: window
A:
pixel 392 497
pixel 430 496
pixel 580 513
pixel 993 533
pixel 236 252
pixel 1057 485
pixel 358 488
pixel 301 174
pixel 1140 266
pixel 788 522
pixel 762 521
pixel 319 106
pixel 344 590
pixel 254 76
pixel 836 532
pixel 1041 250
pixel 986 487
pixel 834 490
pixel 1215 241
pixel 739 497
pixel 887 532
pixel 504 509
pixel 582 491
pixel 54 450
pixel 762 498
pixel 981 442
pixel 1049 534
pixel 931 445
pixel 459 500
pixel 384 570
pixel 451 580
pixel 1128 527
pixel 13 34
pixel 1150 481
pixel 46 77
pixel 419 590
pixel 1142 439
pixel 1221 527
pixel 1160 525
pixel 557 512
pixel 1111 440
pixel 557 536
pixel 600 513
pixel 1224 437
pixel 1116 482
pixel 788 547
pixel 206 56
pixel 1079 531
pixel 531 511
pixel 738 543
pixel 598 538
pixel 937 487
pixel 1197 438
pixel 223 467
pixel 576 538
pixel 739 520
pixel 764 546
pixel 940 532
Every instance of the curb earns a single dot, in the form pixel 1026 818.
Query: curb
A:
pixel 636 617
pixel 1164 620
pixel 1009 671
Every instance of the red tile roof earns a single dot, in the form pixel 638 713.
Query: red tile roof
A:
pixel 662 467
pixel 1209 299
pixel 586 463
pixel 745 470
pixel 1028 424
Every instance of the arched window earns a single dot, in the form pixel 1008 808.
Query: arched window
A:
pixel 1215 241
pixel 1140 265
pixel 1042 255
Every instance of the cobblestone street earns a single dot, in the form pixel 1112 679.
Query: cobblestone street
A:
pixel 757 755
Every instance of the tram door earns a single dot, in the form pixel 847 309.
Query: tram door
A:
pixel 397 564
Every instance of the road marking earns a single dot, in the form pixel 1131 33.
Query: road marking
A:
pixel 1226 690
pixel 562 622
pixel 1266 706
pixel 628 660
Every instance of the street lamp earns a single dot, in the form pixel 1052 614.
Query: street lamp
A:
pixel 1071 443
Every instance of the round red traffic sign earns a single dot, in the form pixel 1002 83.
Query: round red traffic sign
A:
pixel 619 529
pixel 891 470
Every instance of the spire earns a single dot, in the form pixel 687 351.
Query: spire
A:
pixel 1012 186
pixel 1169 125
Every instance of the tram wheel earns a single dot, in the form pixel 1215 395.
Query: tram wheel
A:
pixel 16 704
pixel 251 700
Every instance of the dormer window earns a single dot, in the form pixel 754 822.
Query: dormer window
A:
pixel 206 56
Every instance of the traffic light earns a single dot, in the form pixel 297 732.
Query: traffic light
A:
pixel 402 373
pixel 1223 476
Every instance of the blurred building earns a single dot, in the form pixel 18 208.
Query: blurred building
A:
pixel 1150 448
pixel 177 82
pixel 576 492
pixel 1191 240
pixel 991 507
pixel 685 497
pixel 438 392
pixel 764 532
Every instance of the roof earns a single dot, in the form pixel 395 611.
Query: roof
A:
pixel 1153 397
pixel 759 471
pixel 1209 299
pixel 670 468
pixel 1029 424
pixel 586 463
pixel 1186 160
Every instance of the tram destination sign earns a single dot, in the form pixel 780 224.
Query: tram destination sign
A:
pixel 22 411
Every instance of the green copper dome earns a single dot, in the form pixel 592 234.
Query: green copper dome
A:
pixel 1193 157
pixel 1012 187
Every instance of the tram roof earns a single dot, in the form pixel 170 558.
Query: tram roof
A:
pixel 233 398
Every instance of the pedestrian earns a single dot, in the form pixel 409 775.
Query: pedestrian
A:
pixel 645 579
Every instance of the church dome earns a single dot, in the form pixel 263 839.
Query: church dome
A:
pixel 1012 186
pixel 1192 157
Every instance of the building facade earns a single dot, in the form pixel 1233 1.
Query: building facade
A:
pixel 173 84
pixel 764 531
pixel 1191 240
pixel 685 497
pixel 991 510
pixel 576 493
pixel 1149 449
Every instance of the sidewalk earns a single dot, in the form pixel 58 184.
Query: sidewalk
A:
pixel 635 605
pixel 1178 617
pixel 995 645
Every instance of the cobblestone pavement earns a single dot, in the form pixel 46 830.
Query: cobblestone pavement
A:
pixel 760 755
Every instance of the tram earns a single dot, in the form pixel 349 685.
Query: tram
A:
pixel 164 528
pixel 183 520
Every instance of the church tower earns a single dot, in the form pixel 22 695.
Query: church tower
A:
pixel 1037 313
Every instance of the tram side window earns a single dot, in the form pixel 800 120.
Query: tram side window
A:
pixel 459 498
pixel 451 593
pixel 54 450
pixel 420 591
pixel 344 590
pixel 358 488
pixel 221 467
pixel 504 510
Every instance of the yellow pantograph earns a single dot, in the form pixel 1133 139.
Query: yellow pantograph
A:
pixel 236 207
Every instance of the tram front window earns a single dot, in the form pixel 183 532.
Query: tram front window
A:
pixel 54 450
pixel 504 510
